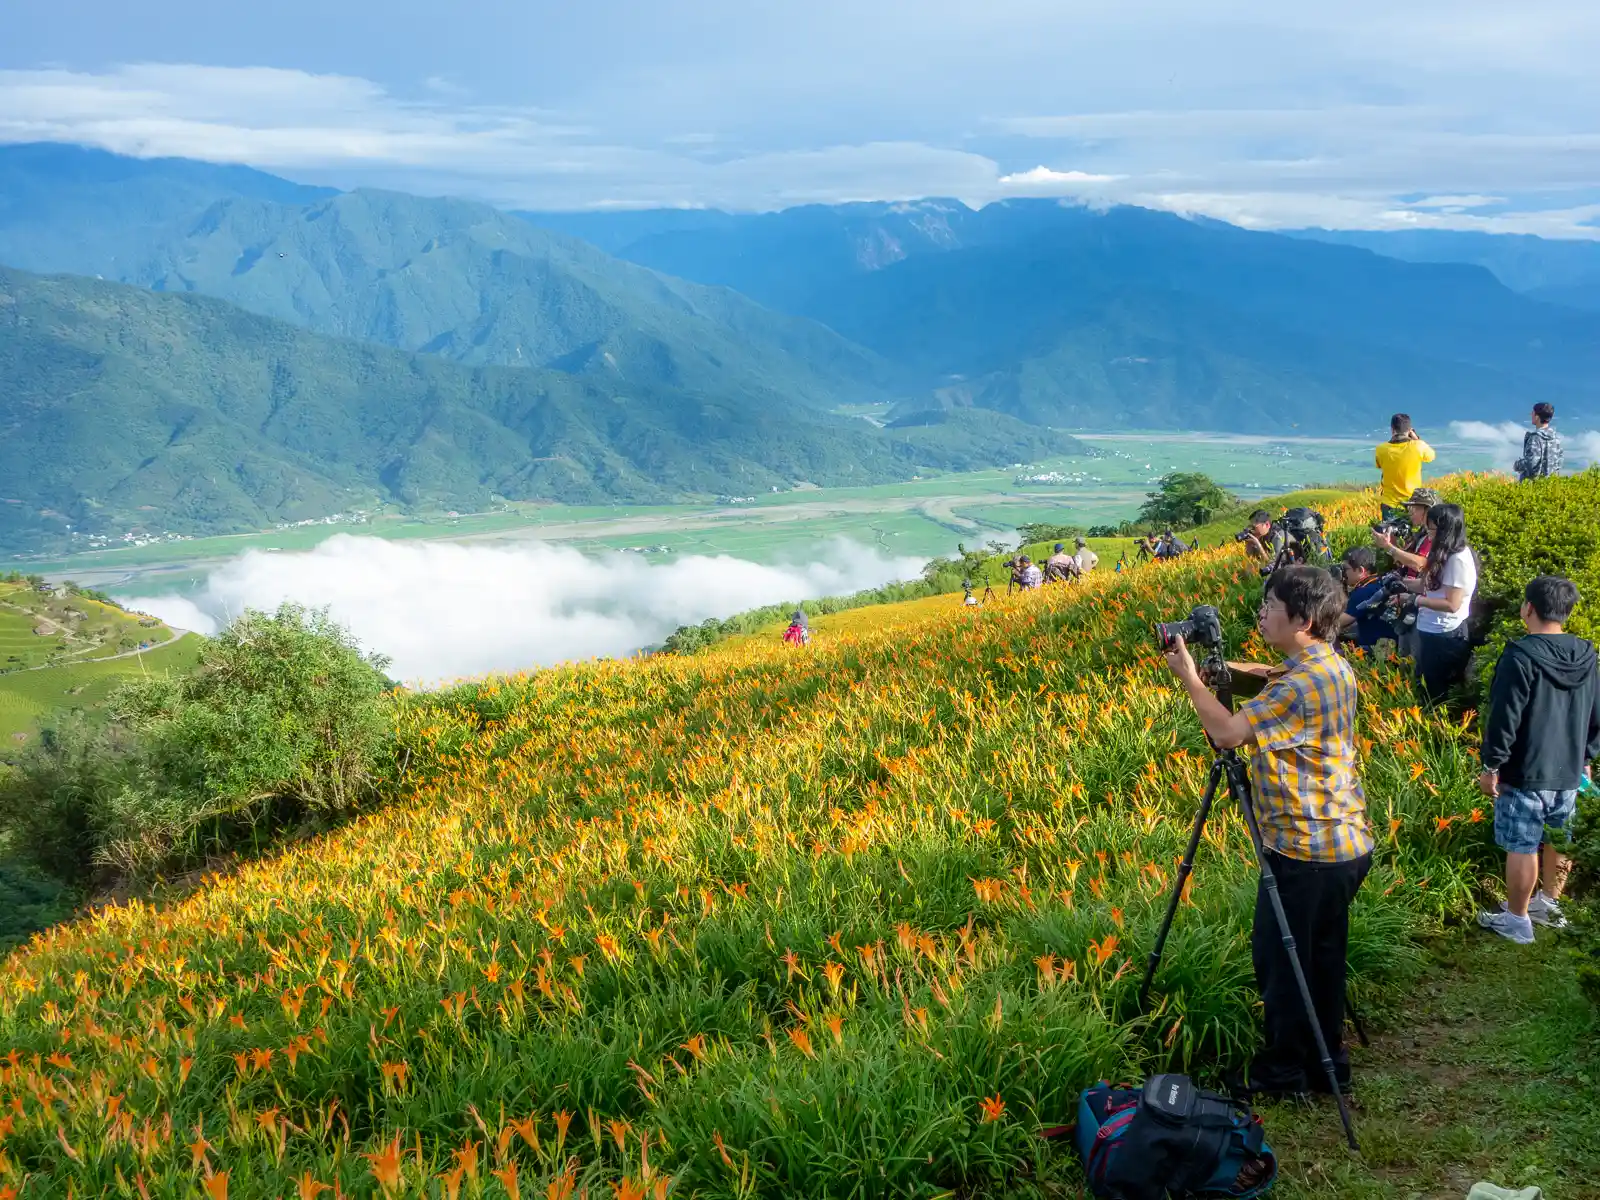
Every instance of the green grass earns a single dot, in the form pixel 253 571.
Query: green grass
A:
pixel 1487 1070
pixel 26 697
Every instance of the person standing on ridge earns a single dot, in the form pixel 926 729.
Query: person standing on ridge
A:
pixel 1542 732
pixel 1300 734
pixel 1400 460
pixel 1086 558
pixel 1542 453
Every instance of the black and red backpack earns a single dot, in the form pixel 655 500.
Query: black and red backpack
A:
pixel 1171 1139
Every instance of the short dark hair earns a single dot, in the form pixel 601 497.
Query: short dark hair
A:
pixel 1361 556
pixel 1261 517
pixel 1400 423
pixel 1553 597
pixel 1309 594
pixel 1546 412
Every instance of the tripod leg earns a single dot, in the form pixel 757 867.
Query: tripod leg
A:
pixel 1239 784
pixel 1184 868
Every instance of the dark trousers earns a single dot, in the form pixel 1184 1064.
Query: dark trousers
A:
pixel 1316 899
pixel 1442 662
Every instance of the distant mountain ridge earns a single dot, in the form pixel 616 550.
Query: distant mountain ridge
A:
pixel 1049 312
pixel 1075 317
pixel 1558 271
pixel 447 277
pixel 126 407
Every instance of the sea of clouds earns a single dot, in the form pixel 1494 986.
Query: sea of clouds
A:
pixel 443 610
pixel 1504 441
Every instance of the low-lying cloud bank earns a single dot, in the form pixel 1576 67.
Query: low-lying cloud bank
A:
pixel 1505 442
pixel 444 610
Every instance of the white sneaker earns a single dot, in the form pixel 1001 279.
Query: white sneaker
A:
pixel 1544 911
pixel 1508 925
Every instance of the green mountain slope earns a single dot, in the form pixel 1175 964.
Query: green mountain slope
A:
pixel 125 407
pixel 90 212
pixel 445 277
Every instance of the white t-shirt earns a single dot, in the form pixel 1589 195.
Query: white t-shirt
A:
pixel 1088 560
pixel 1460 570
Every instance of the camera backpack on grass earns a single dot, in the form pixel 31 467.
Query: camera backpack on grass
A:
pixel 1170 1138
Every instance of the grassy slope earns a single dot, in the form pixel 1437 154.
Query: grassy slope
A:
pixel 26 697
pixel 1486 1070
pixel 80 627
pixel 589 901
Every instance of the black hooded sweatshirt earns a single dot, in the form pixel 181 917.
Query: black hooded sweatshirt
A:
pixel 1544 713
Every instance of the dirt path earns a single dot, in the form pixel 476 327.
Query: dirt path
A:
pixel 177 636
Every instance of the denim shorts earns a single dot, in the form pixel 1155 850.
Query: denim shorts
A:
pixel 1520 818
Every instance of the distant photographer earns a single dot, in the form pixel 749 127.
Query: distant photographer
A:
pixel 1412 555
pixel 1031 576
pixel 1400 460
pixel 1294 539
pixel 1444 598
pixel 1300 735
pixel 1169 546
pixel 1362 623
pixel 1060 567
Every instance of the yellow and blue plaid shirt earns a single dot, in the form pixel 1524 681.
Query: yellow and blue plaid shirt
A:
pixel 1303 755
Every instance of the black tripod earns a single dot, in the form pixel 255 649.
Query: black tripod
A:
pixel 1228 765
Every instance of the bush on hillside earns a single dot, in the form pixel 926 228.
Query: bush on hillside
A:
pixel 1586 882
pixel 283 719
pixel 1183 500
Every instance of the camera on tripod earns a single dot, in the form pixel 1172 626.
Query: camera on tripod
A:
pixel 1302 542
pixel 1202 628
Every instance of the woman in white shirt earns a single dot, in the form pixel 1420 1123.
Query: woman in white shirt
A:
pixel 1444 597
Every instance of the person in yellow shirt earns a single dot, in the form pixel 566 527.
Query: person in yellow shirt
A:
pixel 1400 459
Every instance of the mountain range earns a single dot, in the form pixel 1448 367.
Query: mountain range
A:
pixel 1073 316
pixel 129 407
pixel 449 352
pixel 1559 271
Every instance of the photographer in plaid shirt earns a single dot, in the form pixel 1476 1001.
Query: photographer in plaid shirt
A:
pixel 1299 733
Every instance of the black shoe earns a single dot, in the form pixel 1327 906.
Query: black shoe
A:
pixel 1319 1082
pixel 1237 1084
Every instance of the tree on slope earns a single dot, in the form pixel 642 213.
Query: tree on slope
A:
pixel 1185 499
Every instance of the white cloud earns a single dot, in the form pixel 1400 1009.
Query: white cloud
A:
pixel 1053 182
pixel 443 610
pixel 1505 442
pixel 1338 164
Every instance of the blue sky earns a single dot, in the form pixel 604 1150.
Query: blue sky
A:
pixel 1359 114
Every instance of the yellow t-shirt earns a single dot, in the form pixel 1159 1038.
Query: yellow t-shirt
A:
pixel 1401 464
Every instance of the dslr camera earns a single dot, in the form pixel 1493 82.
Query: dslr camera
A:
pixel 1399 619
pixel 1395 528
pixel 1202 628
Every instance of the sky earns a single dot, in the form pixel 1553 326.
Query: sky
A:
pixel 1268 113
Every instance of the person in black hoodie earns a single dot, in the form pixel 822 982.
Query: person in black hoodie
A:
pixel 1542 733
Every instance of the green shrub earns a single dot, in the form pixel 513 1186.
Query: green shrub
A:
pixel 283 719
pixel 1586 879
pixel 52 798
pixel 1544 527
